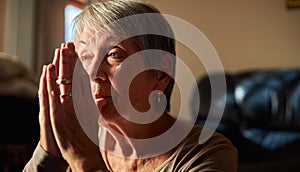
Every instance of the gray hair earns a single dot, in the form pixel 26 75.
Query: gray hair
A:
pixel 98 15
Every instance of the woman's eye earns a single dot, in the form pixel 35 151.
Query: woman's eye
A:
pixel 115 58
pixel 114 55
pixel 85 58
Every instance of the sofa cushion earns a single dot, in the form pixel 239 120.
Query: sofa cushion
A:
pixel 261 115
pixel 270 99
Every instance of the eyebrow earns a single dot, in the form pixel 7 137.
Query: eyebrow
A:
pixel 116 46
pixel 82 42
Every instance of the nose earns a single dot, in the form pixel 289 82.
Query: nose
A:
pixel 100 76
pixel 101 72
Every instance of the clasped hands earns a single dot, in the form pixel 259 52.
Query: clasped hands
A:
pixel 60 132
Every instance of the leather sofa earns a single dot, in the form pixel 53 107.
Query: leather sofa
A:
pixel 261 116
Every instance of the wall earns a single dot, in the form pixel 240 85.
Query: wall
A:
pixel 2 21
pixel 18 32
pixel 247 34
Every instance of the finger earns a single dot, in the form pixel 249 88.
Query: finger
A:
pixel 62 45
pixel 73 56
pixel 56 60
pixel 71 46
pixel 53 92
pixel 65 72
pixel 43 97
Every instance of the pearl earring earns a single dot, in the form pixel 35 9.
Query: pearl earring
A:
pixel 159 94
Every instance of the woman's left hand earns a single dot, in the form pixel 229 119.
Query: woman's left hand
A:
pixel 81 153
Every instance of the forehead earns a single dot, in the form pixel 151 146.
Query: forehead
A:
pixel 92 41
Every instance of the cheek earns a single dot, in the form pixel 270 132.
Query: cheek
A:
pixel 139 92
pixel 140 101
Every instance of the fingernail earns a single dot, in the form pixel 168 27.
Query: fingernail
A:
pixel 71 45
pixel 51 67
pixel 62 45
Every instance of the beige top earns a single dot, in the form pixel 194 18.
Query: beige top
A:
pixel 216 154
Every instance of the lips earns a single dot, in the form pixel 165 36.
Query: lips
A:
pixel 101 99
pixel 99 96
pixel 101 91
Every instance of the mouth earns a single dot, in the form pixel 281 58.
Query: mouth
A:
pixel 101 100
pixel 101 96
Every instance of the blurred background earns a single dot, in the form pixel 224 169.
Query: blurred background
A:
pixel 247 35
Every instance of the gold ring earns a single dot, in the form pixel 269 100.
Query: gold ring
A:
pixel 66 95
pixel 63 81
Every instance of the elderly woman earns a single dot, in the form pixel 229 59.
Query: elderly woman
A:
pixel 115 42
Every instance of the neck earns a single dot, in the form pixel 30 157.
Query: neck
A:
pixel 120 135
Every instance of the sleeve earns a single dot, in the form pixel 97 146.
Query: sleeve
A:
pixel 41 161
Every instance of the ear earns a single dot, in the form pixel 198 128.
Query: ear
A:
pixel 163 78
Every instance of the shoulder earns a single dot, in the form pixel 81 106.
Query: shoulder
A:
pixel 202 136
pixel 205 149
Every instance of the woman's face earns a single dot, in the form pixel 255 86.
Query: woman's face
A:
pixel 103 60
